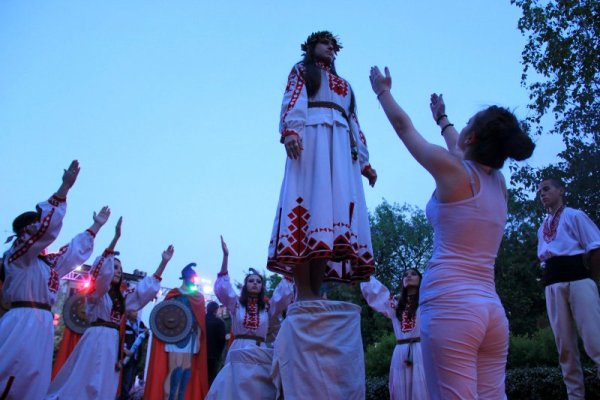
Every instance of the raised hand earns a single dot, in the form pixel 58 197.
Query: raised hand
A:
pixel 70 174
pixel 293 146
pixel 379 82
pixel 168 253
pixel 438 107
pixel 118 227
pixel 102 216
pixel 224 247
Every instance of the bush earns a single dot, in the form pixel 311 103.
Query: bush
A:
pixel 377 388
pixel 537 350
pixel 543 383
pixel 378 356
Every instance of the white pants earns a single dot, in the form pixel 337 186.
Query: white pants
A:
pixel 465 346
pixel 318 352
pixel 574 306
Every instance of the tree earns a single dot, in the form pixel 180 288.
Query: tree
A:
pixel 563 51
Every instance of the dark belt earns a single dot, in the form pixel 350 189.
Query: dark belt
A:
pixel 258 339
pixel 106 324
pixel 337 107
pixel 30 304
pixel 564 269
pixel 411 340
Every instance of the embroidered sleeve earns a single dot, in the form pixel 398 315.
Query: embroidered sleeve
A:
pixel 361 142
pixel 378 297
pixel 143 293
pixel 44 233
pixel 101 276
pixel 225 293
pixel 73 254
pixel 587 232
pixel 282 297
pixel 294 105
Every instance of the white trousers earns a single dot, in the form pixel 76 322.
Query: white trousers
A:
pixel 465 347
pixel 574 306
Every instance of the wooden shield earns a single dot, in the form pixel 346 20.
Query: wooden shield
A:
pixel 171 321
pixel 74 313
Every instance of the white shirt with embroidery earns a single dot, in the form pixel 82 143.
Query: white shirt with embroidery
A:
pixel 240 322
pixel 31 277
pixel 295 114
pixel 99 303
pixel 576 234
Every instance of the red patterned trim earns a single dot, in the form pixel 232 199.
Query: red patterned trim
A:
pixel 407 324
pixel 551 225
pixel 157 277
pixel 252 316
pixel 91 232
pixel 94 274
pixel 108 252
pixel 56 200
pixel 295 96
pixel 338 85
pixel 286 133
pixel 220 274
pixel 44 224
pixel 366 168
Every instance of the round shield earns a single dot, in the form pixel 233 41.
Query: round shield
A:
pixel 74 313
pixel 171 321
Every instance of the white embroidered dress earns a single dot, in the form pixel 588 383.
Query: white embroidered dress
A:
pixel 89 372
pixel 322 212
pixel 406 382
pixel 27 334
pixel 244 322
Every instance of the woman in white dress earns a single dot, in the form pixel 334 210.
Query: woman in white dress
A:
pixel 92 370
pixel 407 377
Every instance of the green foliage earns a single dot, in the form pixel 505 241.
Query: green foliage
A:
pixel 378 356
pixel 377 388
pixel 543 383
pixel 563 51
pixel 402 238
pixel 537 350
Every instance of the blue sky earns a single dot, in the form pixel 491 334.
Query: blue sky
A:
pixel 172 109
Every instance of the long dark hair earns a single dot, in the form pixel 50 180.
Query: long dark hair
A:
pixel 244 295
pixel 115 294
pixel 311 73
pixel 403 303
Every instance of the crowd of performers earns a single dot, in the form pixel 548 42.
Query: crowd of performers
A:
pixel 450 325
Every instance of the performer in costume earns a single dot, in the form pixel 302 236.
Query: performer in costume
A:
pixel 321 229
pixel 31 281
pixel 407 377
pixel 246 374
pixel 249 311
pixel 567 241
pixel 179 371
pixel 464 330
pixel 92 370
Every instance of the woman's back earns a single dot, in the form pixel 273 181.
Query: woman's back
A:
pixel 467 236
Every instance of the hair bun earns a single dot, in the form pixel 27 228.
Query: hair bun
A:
pixel 519 146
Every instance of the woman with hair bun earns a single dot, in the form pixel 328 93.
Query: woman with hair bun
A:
pixel 464 330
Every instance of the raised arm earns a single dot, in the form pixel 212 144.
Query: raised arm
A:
pixel 451 177
pixel 223 289
pixel 68 179
pixel 378 297
pixel 450 134
pixel 147 289
pixel 166 257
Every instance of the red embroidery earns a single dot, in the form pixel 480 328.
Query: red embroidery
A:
pixel 53 281
pixel 302 247
pixel 551 225
pixel 252 317
pixel 295 96
pixel 338 85
pixel 55 200
pixel 407 324
pixel 115 316
pixel 44 224
pixel 94 274
pixel 292 77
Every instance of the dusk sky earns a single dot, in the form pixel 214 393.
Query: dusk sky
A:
pixel 172 109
